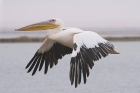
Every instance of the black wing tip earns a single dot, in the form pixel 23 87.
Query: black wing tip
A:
pixel 71 83
pixel 28 71
pixel 75 85
pixel 39 69
pixel 33 74
pixel 26 67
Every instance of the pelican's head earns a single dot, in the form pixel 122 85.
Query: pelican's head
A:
pixel 46 25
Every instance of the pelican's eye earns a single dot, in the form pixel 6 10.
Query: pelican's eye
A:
pixel 52 20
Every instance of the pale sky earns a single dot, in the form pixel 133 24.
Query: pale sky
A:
pixel 74 13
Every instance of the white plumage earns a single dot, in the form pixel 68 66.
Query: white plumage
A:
pixel 88 38
pixel 85 46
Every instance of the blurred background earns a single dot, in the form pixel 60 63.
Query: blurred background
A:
pixel 116 20
pixel 121 16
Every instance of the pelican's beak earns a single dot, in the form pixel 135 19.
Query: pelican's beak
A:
pixel 38 26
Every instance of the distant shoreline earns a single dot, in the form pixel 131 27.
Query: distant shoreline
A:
pixel 41 39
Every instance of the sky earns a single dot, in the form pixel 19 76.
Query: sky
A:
pixel 74 13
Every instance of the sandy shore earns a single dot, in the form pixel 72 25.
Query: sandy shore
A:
pixel 40 39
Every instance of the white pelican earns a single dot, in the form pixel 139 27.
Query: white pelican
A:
pixel 85 46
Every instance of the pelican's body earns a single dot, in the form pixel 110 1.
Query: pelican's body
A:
pixel 64 37
pixel 85 46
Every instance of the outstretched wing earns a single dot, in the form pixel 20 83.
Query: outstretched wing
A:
pixel 47 54
pixel 87 48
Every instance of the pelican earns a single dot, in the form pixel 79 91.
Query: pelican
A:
pixel 86 48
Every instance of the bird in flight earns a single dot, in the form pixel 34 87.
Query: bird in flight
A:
pixel 85 47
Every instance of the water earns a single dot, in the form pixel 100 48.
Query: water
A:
pixel 113 74
pixel 104 33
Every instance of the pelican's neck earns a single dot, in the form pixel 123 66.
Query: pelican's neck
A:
pixel 56 30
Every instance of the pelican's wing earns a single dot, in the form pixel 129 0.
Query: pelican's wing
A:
pixel 87 48
pixel 48 53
